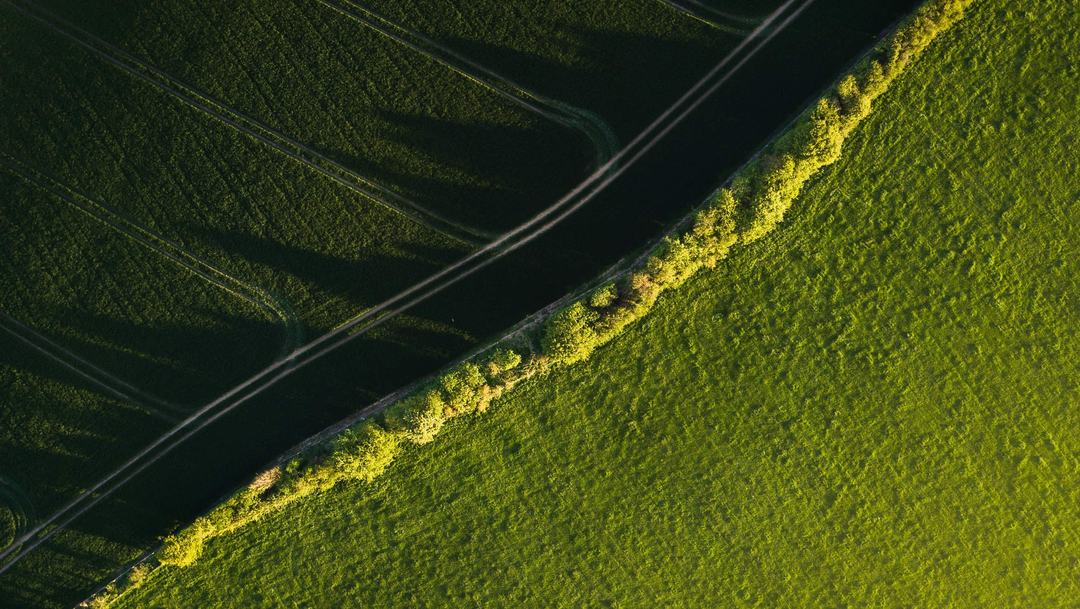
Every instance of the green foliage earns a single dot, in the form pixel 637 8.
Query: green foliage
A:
pixel 571 334
pixel 365 451
pixel 419 417
pixel 464 389
pixel 603 297
pixel 502 361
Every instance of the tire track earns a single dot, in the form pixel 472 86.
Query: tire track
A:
pixel 257 297
pixel 387 310
pixel 301 153
pixel 732 23
pixel 112 384
pixel 603 139
pixel 21 508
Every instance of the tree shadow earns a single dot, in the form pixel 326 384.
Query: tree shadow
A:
pixel 183 362
pixel 628 78
pixel 484 175
pixel 362 282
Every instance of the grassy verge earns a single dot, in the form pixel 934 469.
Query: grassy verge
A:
pixel 741 213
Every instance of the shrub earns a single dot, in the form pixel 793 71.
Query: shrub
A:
pixel 365 451
pixel 502 361
pixel 570 335
pixel 419 417
pixel 266 480
pixel 464 390
pixel 603 297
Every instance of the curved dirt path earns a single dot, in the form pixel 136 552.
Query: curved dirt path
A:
pixel 21 508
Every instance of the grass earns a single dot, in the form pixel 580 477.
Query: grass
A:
pixel 875 405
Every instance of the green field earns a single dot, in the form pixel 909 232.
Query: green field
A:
pixel 398 118
pixel 874 405
pixel 192 190
pixel 623 59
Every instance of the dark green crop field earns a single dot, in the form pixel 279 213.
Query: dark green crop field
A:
pixel 623 59
pixel 875 405
pixel 192 190
pixel 401 120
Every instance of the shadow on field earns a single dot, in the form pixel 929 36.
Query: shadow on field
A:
pixel 517 169
pixel 175 361
pixel 363 282
pixel 628 79
pixel 56 441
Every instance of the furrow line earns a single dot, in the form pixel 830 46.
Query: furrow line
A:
pixel 112 384
pixel 713 17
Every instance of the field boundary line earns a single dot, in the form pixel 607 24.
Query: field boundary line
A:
pixel 603 139
pixel 508 242
pixel 293 149
pixel 254 295
pixel 86 369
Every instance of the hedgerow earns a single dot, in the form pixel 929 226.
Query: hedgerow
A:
pixel 753 203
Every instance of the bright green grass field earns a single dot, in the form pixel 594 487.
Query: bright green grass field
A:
pixel 876 406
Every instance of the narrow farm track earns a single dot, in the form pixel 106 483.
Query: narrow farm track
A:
pixel 387 310
pixel 242 123
pixel 112 384
pixel 256 296
pixel 603 139
pixel 732 23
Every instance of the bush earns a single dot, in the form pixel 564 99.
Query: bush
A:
pixel 501 362
pixel 464 390
pixel 603 297
pixel 365 451
pixel 419 417
pixel 570 335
